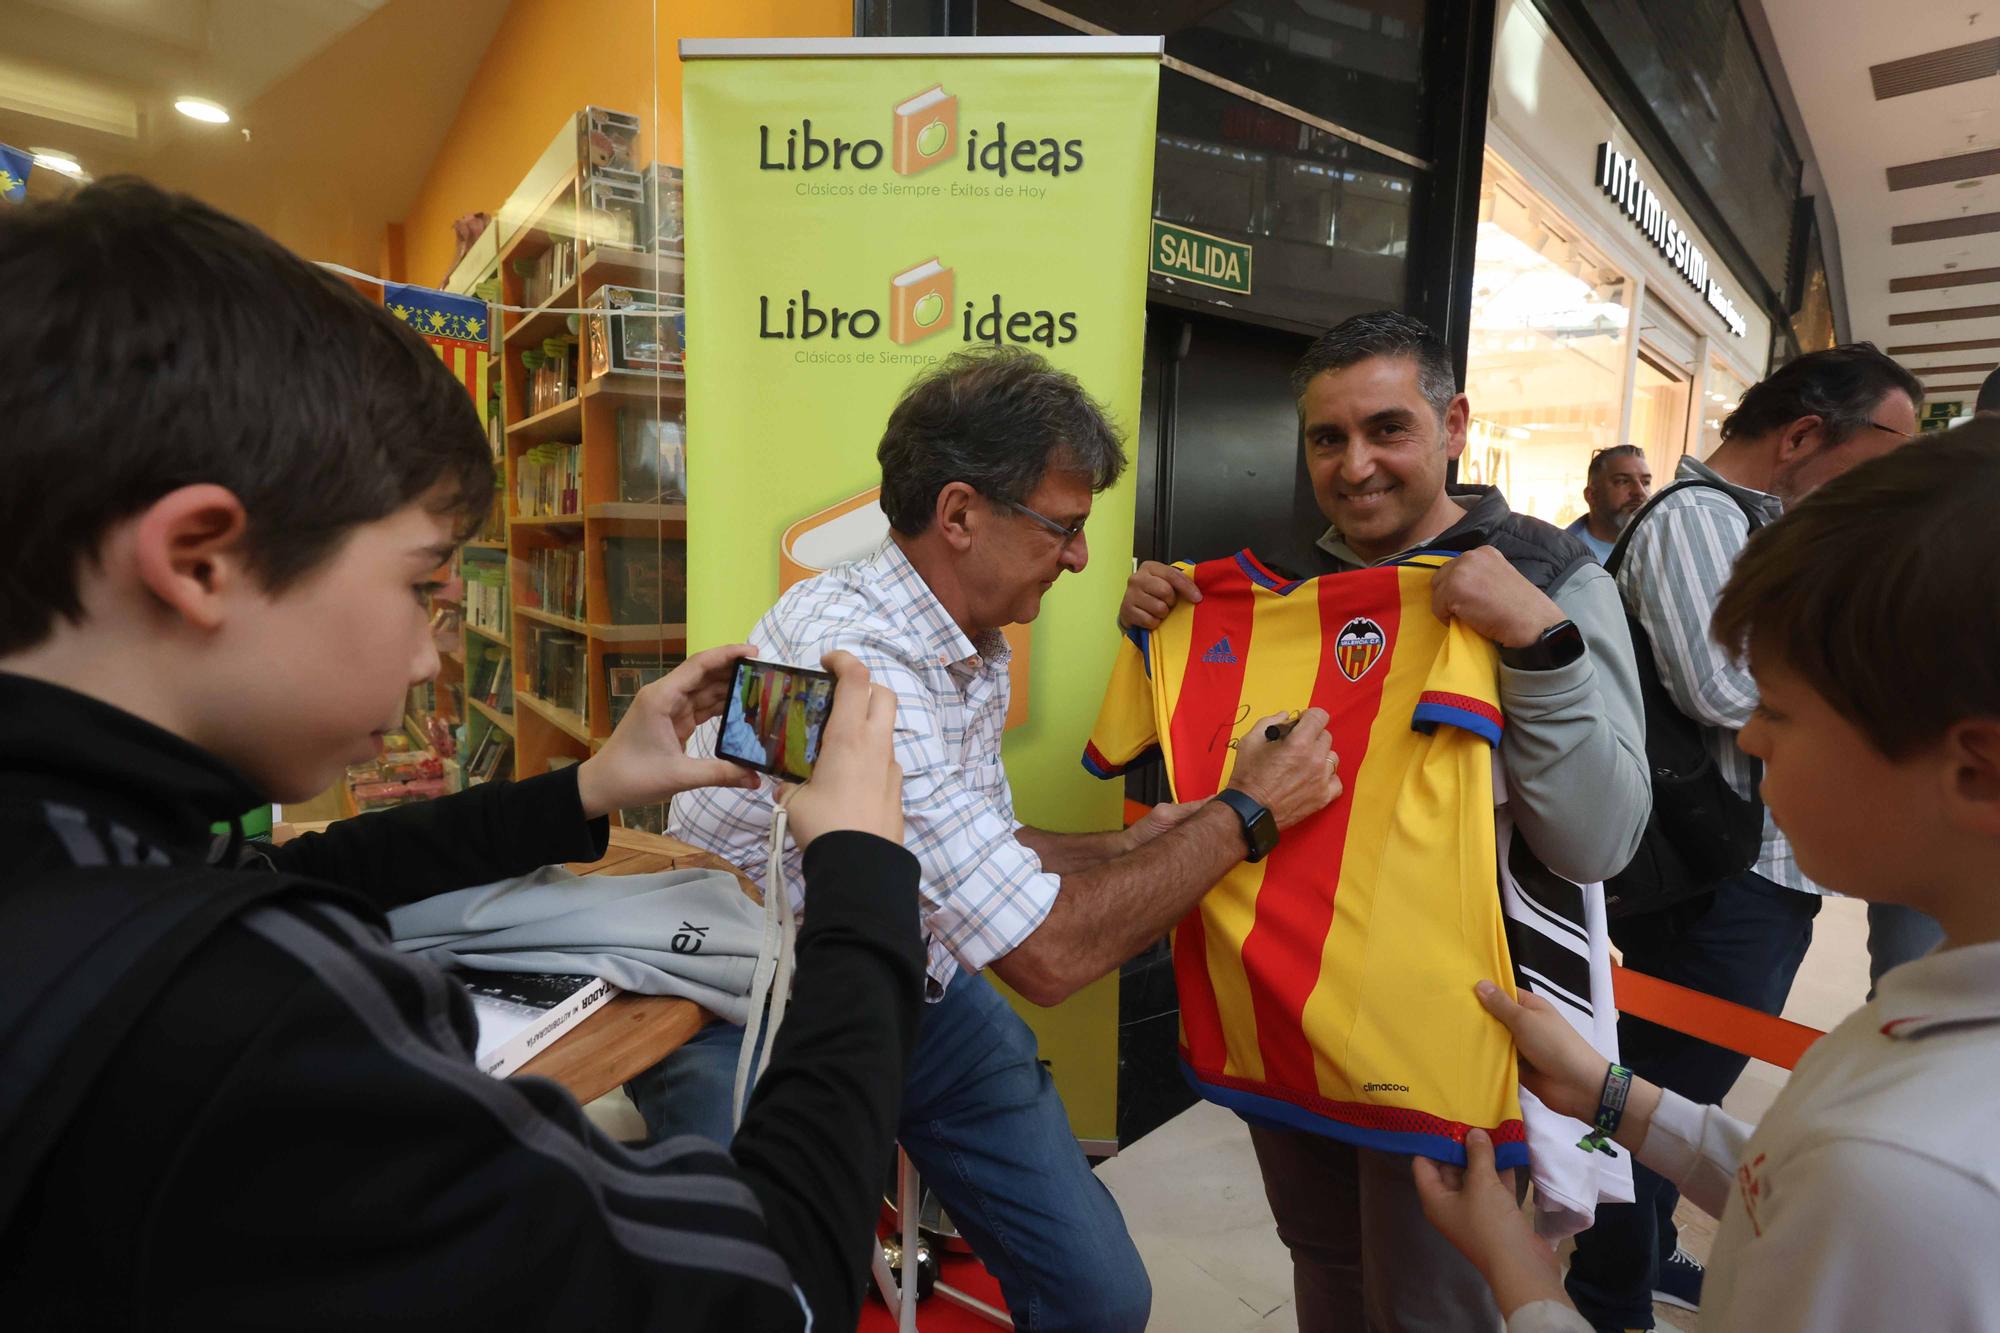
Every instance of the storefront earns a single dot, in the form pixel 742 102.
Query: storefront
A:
pixel 1601 315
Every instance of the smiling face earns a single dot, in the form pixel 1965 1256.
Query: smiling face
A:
pixel 318 672
pixel 1377 452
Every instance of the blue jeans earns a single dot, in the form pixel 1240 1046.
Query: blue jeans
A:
pixel 983 1123
pixel 1897 935
pixel 1744 943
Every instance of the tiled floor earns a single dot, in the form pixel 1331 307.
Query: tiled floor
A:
pixel 1191 1193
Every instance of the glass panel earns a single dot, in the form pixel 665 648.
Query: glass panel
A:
pixel 1659 414
pixel 1329 221
pixel 1724 390
pixel 1358 63
pixel 1694 63
pixel 1546 375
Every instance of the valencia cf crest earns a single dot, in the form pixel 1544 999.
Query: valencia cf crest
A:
pixel 1359 646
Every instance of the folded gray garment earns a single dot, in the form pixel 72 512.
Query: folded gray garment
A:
pixel 691 933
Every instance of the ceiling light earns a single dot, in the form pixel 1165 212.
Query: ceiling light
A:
pixel 200 108
pixel 52 160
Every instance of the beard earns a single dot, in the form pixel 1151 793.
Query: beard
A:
pixel 1620 519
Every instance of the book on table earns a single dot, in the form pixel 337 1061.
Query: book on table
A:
pixel 521 1013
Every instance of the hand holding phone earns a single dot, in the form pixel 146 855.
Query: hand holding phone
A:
pixel 644 760
pixel 857 783
pixel 773 718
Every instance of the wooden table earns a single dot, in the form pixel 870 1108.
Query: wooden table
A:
pixel 629 1033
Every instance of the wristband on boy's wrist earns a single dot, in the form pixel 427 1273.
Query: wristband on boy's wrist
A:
pixel 1610 1110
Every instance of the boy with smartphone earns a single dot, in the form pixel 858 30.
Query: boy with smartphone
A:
pixel 224 1100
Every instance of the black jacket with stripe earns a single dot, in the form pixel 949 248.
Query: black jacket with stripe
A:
pixel 225 1102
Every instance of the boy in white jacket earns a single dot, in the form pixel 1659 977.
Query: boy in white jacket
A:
pixel 1869 1197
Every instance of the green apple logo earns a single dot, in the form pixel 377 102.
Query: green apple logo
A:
pixel 927 309
pixel 930 141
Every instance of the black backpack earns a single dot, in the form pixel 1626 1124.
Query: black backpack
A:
pixel 1700 832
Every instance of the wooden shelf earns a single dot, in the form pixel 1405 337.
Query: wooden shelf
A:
pixel 662 273
pixel 479 544
pixel 545 521
pixel 455 655
pixel 546 320
pixel 490 635
pixel 638 633
pixel 533 235
pixel 551 618
pixel 571 724
pixel 627 387
pixel 561 422
pixel 504 721
pixel 627 511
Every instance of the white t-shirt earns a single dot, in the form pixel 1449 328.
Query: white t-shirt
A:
pixel 1869 1197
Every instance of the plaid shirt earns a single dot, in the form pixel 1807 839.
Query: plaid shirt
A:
pixel 983 891
pixel 1672 576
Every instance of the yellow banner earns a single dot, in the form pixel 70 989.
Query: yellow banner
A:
pixel 852 218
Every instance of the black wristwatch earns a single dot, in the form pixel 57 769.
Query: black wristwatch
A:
pixel 1260 830
pixel 1560 644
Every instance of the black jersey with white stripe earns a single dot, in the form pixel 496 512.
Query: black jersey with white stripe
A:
pixel 225 1101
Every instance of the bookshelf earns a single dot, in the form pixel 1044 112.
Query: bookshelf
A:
pixel 580 533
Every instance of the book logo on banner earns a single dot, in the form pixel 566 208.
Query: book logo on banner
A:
pixel 919 298
pixel 924 134
pixel 926 125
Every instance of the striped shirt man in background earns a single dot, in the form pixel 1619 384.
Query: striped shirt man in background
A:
pixel 1814 419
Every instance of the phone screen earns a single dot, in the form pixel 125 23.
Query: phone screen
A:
pixel 773 718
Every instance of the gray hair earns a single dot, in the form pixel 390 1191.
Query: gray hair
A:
pixel 996 419
pixel 1606 456
pixel 1381 333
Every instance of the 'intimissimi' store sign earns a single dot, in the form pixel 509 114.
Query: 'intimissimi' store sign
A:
pixel 1618 176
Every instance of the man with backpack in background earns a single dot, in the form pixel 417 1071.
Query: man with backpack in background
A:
pixel 1743 936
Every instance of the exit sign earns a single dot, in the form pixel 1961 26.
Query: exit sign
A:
pixel 1195 256
pixel 1939 415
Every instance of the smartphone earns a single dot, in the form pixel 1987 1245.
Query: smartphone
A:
pixel 773 718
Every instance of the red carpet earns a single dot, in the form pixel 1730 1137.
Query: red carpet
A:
pixel 938 1315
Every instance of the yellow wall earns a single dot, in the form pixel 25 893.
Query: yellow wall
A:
pixel 552 57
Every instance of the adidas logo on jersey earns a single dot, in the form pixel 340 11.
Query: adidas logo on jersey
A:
pixel 1221 654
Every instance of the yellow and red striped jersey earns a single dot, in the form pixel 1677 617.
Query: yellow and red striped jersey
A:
pixel 1329 987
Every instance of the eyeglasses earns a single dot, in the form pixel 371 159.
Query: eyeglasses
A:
pixel 1899 434
pixel 1068 532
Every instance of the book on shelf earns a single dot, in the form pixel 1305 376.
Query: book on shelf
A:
pixel 492 754
pixel 496 683
pixel 652 455
pixel 547 273
pixel 625 674
pixel 554 581
pixel 557 668
pixel 548 480
pixel 485 590
pixel 551 372
pixel 646 578
pixel 521 1013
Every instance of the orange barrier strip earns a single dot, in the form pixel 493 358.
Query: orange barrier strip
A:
pixel 1733 1027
